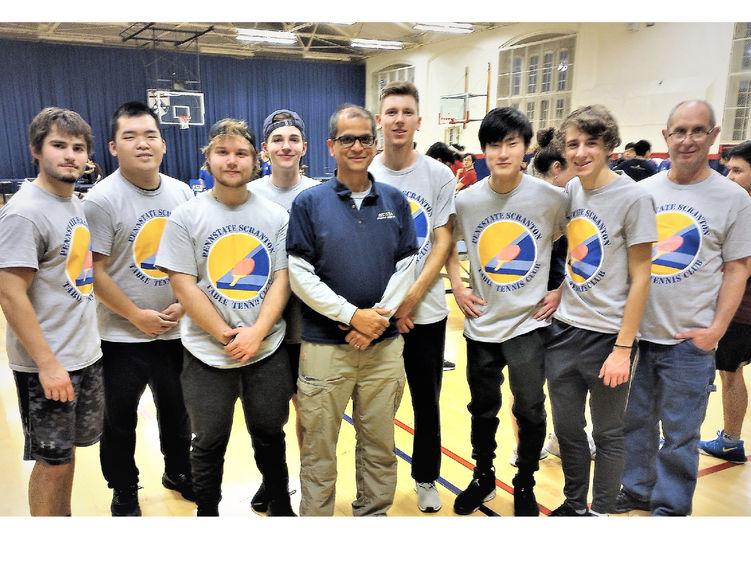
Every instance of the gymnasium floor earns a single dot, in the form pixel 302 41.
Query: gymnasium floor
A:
pixel 724 489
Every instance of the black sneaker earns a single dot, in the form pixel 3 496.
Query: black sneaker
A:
pixel 259 502
pixel 207 510
pixel 525 503
pixel 125 502
pixel 567 510
pixel 180 483
pixel 448 366
pixel 280 507
pixel 481 489
pixel 625 502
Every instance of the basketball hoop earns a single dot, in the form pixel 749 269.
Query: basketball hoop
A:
pixel 184 121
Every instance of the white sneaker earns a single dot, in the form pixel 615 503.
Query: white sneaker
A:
pixel 592 449
pixel 554 448
pixel 428 499
pixel 515 455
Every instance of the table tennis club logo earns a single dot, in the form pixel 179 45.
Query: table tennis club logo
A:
pixel 584 250
pixel 79 267
pixel 239 266
pixel 146 245
pixel 507 251
pixel 422 223
pixel 678 244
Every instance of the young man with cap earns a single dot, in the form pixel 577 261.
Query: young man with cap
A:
pixel 224 253
pixel 352 248
pixel 46 293
pixel 284 143
pixel 421 317
pixel 137 310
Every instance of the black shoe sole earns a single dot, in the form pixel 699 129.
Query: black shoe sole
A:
pixel 466 511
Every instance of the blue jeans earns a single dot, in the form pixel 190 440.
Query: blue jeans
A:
pixel 671 387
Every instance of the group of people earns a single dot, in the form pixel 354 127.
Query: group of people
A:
pixel 283 289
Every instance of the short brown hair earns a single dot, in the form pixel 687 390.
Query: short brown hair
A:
pixel 228 127
pixel 596 121
pixel 67 122
pixel 399 88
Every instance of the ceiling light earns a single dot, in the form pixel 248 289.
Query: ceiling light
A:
pixel 376 44
pixel 450 27
pixel 266 36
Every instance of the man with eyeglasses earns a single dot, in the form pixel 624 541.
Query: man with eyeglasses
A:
pixel 352 249
pixel 699 273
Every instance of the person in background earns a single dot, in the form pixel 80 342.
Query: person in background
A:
pixel 466 176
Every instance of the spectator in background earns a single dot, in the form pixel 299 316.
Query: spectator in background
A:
pixel 442 153
pixel 639 167
pixel 92 173
pixel 466 176
pixel 205 177
pixel 628 153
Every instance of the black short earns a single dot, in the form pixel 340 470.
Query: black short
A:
pixel 734 349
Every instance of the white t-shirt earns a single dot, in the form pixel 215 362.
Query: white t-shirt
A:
pixel 509 239
pixel 602 224
pixel 49 234
pixel 285 197
pixel 126 224
pixel 700 226
pixel 233 252
pixel 429 187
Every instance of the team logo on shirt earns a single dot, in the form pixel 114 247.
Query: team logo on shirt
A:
pixel 145 247
pixel 239 266
pixel 585 253
pixel 420 209
pixel 79 267
pixel 675 254
pixel 508 254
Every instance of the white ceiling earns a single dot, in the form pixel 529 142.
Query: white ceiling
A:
pixel 317 41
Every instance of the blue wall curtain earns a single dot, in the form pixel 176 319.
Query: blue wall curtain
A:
pixel 94 81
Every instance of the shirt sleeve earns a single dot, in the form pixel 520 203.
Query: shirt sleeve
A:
pixel 176 250
pixel 398 285
pixel 27 248
pixel 100 226
pixel 315 293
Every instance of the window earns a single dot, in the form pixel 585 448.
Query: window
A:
pixel 736 121
pixel 536 77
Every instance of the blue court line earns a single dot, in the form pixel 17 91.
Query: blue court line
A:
pixel 447 484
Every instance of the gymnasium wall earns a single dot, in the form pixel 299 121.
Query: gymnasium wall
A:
pixel 638 75
pixel 94 81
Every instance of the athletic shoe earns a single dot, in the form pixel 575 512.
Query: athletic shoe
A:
pixel 448 366
pixel 280 507
pixel 259 502
pixel 207 510
pixel 481 489
pixel 552 446
pixel 625 502
pixel 428 499
pixel 180 483
pixel 125 502
pixel 525 503
pixel 719 447
pixel 515 455
pixel 567 510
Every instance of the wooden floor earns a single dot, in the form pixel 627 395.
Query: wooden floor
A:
pixel 723 489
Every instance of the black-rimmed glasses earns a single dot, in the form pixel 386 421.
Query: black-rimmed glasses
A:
pixel 348 141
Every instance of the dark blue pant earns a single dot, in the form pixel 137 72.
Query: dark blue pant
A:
pixel 128 368
pixel 264 389
pixel 423 364
pixel 524 356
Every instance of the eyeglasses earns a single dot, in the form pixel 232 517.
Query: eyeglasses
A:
pixel 348 141
pixel 696 135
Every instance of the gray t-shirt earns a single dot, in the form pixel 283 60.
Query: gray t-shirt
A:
pixel 509 240
pixel 126 224
pixel 233 252
pixel 49 233
pixel 699 227
pixel 429 187
pixel 602 224
pixel 285 197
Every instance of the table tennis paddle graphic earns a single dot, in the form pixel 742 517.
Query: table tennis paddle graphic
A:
pixel 507 254
pixel 580 252
pixel 242 269
pixel 666 246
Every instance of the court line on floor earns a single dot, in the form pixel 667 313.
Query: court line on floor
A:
pixel 447 484
pixel 469 465
pixel 720 467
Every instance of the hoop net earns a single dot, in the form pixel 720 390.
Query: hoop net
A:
pixel 184 121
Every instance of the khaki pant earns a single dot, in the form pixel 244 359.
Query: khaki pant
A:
pixel 374 379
